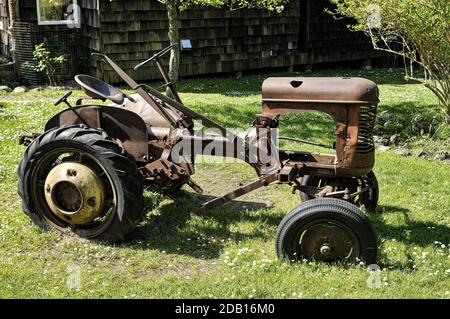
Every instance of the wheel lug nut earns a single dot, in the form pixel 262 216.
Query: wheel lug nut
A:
pixel 91 201
pixel 47 188
pixel 325 250
pixel 71 172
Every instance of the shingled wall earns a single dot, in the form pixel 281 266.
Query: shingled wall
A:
pixel 222 40
pixel 331 41
pixel 4 25
pixel 91 34
pixel 130 31
pixel 27 10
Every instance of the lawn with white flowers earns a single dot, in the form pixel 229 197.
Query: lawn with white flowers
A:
pixel 229 252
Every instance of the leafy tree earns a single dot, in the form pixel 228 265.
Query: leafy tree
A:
pixel 417 30
pixel 175 7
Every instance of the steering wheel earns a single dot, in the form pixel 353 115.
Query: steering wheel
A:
pixel 63 98
pixel 156 56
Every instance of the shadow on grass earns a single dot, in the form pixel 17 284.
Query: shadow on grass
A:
pixel 179 228
pixel 412 232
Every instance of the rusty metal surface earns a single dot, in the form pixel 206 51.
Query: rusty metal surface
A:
pixel 148 114
pixel 320 90
pixel 156 133
pixel 118 123
pixel 261 182
pixel 327 240
pixel 351 102
pixel 139 90
pixel 361 191
pixel 98 89
pixel 152 126
pixel 149 124
pixel 165 167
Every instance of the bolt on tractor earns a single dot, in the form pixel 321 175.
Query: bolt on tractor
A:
pixel 86 173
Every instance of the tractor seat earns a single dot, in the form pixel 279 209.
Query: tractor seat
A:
pixel 98 89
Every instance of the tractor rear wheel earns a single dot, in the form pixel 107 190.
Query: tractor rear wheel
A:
pixel 78 180
pixel 368 199
pixel 326 229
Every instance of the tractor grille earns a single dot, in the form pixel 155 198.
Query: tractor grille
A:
pixel 365 131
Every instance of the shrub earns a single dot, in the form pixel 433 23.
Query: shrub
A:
pixel 51 65
pixel 417 30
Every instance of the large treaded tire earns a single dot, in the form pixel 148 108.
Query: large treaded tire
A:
pixel 120 167
pixel 326 209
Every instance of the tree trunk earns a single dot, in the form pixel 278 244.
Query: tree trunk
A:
pixel 447 115
pixel 13 10
pixel 173 13
pixel 442 94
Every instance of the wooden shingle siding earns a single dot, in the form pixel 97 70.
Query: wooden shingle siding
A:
pixel 130 31
pixel 4 25
pixel 331 41
pixel 222 40
pixel 91 34
pixel 27 10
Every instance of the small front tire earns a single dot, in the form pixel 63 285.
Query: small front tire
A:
pixel 327 230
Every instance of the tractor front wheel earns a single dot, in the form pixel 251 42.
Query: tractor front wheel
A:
pixel 78 180
pixel 326 229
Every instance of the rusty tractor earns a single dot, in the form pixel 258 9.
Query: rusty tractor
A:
pixel 86 173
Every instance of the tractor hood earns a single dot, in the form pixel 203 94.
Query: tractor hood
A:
pixel 320 90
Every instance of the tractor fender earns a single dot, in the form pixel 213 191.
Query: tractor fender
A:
pixel 121 124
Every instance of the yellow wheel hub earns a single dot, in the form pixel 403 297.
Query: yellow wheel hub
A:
pixel 74 193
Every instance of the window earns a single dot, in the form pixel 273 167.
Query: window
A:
pixel 53 12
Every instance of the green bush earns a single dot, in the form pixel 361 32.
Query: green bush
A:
pixel 3 60
pixel 417 30
pixel 51 65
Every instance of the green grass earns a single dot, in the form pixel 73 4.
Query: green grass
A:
pixel 230 252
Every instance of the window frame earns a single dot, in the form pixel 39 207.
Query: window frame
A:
pixel 75 21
